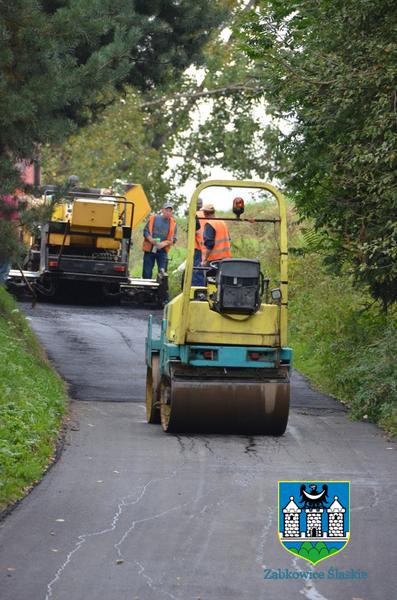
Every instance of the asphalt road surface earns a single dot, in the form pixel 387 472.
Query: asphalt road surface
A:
pixel 131 513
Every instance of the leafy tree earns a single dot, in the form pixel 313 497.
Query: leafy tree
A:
pixel 119 145
pixel 155 136
pixel 231 134
pixel 9 246
pixel 60 62
pixel 331 69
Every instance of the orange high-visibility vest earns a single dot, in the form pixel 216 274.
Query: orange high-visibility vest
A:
pixel 198 243
pixel 221 247
pixel 147 246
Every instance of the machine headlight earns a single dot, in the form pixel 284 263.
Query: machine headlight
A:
pixel 276 294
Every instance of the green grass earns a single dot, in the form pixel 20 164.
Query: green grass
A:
pixel 344 345
pixel 32 402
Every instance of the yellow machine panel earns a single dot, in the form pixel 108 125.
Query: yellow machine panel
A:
pixel 82 240
pixel 207 326
pixel 58 239
pixel 27 238
pixel 60 212
pixel 108 243
pixel 136 195
pixel 91 214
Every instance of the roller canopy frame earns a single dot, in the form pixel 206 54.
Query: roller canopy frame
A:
pixel 283 250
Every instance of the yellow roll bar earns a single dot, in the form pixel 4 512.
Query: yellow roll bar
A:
pixel 180 333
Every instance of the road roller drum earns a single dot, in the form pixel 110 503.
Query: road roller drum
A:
pixel 193 401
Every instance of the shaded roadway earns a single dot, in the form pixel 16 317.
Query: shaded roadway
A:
pixel 129 512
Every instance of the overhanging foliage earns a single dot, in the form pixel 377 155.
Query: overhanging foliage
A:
pixel 61 61
pixel 331 68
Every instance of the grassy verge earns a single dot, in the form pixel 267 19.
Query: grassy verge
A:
pixel 344 347
pixel 32 402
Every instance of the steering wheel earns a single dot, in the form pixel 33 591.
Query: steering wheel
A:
pixel 214 264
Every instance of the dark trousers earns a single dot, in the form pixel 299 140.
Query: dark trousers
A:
pixel 198 276
pixel 149 258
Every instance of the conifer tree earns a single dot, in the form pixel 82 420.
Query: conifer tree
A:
pixel 61 60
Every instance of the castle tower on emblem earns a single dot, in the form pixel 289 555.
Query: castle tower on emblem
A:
pixel 336 514
pixel 291 519
pixel 314 518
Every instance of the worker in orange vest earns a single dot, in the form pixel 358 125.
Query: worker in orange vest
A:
pixel 198 276
pixel 159 235
pixel 216 238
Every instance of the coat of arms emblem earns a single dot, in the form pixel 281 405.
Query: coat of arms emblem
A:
pixel 314 519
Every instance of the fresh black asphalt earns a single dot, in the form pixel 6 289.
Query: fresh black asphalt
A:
pixel 130 513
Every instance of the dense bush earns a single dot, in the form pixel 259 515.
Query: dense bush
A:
pixel 346 346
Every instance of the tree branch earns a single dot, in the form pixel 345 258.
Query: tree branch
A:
pixel 298 74
pixel 235 87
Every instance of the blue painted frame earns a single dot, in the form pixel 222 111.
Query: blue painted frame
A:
pixel 226 356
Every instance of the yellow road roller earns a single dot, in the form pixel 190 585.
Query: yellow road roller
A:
pixel 221 363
